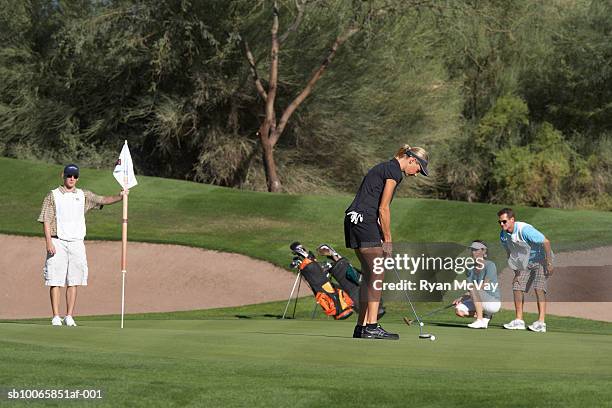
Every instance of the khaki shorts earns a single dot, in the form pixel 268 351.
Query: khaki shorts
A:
pixel 68 266
pixel 534 276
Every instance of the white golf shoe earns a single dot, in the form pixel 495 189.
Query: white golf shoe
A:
pixel 56 321
pixel 538 326
pixel 69 321
pixel 516 324
pixel 479 324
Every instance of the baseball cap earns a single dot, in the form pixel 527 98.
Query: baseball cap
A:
pixel 71 170
pixel 477 245
pixel 422 162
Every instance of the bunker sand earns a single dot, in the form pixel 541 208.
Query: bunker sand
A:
pixel 160 278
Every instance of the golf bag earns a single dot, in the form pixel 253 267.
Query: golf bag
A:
pixel 333 300
pixel 347 276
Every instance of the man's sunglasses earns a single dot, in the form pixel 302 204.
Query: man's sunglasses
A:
pixel 502 222
pixel 71 176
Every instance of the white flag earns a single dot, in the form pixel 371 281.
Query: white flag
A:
pixel 124 169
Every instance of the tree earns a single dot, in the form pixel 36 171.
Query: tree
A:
pixel 272 127
pixel 572 88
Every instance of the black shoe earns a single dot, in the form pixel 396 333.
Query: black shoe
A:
pixel 377 332
pixel 358 331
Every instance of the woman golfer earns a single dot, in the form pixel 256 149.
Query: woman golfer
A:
pixel 367 229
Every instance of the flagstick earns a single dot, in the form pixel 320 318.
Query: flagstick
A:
pixel 124 248
pixel 124 165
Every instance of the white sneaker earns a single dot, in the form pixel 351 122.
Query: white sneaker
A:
pixel 516 324
pixel 479 324
pixel 69 321
pixel 56 321
pixel 538 326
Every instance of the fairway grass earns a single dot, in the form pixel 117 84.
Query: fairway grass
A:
pixel 305 363
pixel 262 225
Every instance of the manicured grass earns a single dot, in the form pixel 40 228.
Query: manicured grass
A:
pixel 246 356
pixel 262 225
pixel 305 307
pixel 169 360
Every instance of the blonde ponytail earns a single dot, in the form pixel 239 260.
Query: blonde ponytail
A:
pixel 417 151
pixel 402 150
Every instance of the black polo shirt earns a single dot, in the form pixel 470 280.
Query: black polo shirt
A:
pixel 368 196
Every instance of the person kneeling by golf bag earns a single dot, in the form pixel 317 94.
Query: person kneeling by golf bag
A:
pixel 333 300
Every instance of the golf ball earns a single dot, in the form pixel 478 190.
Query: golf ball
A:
pixel 421 324
pixel 432 338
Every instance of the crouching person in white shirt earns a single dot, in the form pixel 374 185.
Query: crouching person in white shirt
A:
pixel 483 303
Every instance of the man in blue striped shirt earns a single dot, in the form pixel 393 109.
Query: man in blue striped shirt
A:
pixel 530 257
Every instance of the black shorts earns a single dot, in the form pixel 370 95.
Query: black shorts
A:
pixel 362 235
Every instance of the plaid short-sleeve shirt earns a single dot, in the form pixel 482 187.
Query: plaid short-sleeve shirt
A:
pixel 47 212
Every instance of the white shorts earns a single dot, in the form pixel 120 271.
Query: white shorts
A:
pixel 467 307
pixel 68 266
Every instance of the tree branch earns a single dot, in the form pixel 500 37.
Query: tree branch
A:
pixel 341 39
pixel 273 82
pixel 253 67
pixel 299 5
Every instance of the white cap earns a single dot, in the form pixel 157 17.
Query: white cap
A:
pixel 477 245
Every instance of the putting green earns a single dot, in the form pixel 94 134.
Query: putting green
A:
pixel 307 363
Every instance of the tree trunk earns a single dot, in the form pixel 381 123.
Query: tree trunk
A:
pixel 270 131
pixel 274 184
pixel 268 128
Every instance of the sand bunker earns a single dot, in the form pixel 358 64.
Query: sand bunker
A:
pixel 160 278
pixel 164 278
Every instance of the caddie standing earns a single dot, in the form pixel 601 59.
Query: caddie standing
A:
pixel 531 259
pixel 63 218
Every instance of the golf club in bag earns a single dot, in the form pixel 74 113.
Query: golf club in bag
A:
pixel 333 300
pixel 422 335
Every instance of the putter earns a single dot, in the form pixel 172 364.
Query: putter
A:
pixel 422 335
pixel 410 321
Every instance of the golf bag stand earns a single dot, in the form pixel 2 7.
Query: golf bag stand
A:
pixel 298 283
